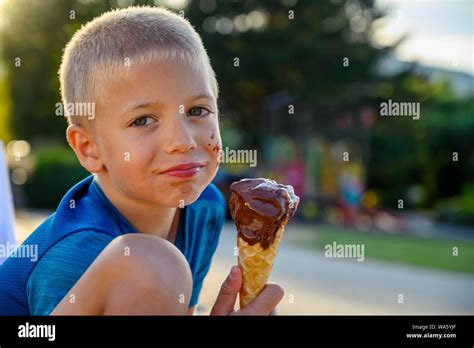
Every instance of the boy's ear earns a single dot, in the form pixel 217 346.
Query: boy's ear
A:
pixel 81 141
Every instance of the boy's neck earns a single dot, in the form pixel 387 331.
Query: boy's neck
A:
pixel 157 220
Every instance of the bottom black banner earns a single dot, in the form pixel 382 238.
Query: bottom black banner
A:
pixel 135 331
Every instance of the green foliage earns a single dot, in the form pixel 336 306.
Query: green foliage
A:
pixel 405 152
pixel 5 107
pixel 36 33
pixel 56 172
pixel 458 209
pixel 301 56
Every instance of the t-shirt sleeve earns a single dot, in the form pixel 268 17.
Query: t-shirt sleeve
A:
pixel 61 267
pixel 209 247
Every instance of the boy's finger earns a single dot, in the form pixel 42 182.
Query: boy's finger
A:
pixel 225 301
pixel 265 302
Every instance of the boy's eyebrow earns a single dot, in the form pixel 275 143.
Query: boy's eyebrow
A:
pixel 200 96
pixel 143 105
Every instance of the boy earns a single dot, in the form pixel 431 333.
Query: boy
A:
pixel 137 236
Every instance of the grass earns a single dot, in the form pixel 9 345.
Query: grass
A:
pixel 417 251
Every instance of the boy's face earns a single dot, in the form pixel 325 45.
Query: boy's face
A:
pixel 160 116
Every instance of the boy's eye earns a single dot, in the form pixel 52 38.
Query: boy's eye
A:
pixel 142 121
pixel 199 112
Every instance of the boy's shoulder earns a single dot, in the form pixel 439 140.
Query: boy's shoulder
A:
pixel 84 208
pixel 208 210
pixel 212 194
pixel 79 210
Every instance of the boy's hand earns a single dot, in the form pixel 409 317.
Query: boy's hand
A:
pixel 264 304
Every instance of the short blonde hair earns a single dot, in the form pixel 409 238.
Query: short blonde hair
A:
pixel 101 49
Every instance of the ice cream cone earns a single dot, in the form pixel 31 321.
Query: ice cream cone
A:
pixel 256 265
pixel 261 209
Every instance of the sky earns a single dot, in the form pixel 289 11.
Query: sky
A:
pixel 441 32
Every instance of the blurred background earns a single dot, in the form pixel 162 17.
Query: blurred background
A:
pixel 301 84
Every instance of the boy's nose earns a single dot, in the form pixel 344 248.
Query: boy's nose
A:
pixel 179 136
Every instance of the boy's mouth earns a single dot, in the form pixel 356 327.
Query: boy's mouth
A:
pixel 184 170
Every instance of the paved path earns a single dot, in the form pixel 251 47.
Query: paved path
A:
pixel 318 285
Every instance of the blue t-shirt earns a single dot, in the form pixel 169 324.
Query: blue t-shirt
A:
pixel 82 226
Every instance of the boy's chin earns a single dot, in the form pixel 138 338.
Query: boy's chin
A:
pixel 176 201
pixel 177 196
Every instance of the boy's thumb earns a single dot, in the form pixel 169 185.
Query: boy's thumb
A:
pixel 225 301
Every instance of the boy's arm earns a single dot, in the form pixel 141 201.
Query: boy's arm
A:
pixel 192 310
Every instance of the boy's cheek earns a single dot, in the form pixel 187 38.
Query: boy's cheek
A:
pixel 216 151
pixel 214 144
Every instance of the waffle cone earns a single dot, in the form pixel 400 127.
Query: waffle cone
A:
pixel 256 264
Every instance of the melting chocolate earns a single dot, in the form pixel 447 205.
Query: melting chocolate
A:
pixel 259 207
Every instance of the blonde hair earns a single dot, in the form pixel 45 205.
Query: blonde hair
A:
pixel 101 49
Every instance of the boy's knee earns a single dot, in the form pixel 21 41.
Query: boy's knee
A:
pixel 148 273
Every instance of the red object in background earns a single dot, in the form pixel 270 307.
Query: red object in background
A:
pixel 367 117
pixel 293 174
pixel 344 121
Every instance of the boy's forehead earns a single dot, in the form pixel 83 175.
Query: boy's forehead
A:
pixel 159 82
pixel 143 102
